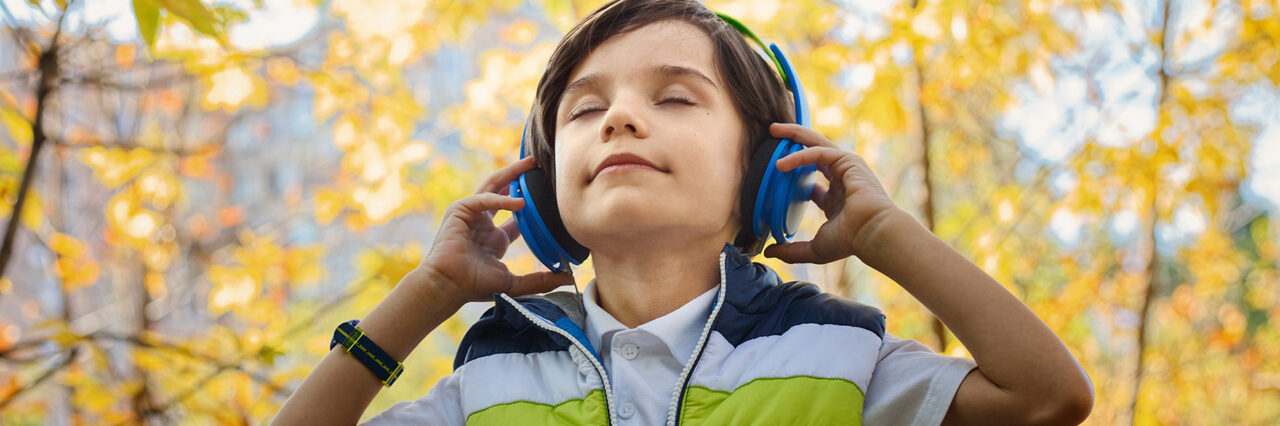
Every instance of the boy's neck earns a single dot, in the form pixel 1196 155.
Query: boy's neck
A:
pixel 636 289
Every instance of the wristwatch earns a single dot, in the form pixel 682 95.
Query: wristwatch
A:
pixel 355 342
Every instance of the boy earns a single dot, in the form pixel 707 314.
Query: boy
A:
pixel 645 118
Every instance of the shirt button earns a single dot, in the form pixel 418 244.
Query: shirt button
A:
pixel 629 350
pixel 626 410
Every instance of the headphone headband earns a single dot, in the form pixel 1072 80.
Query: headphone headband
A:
pixel 783 66
pixel 742 28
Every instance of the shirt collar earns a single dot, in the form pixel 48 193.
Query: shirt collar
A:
pixel 679 329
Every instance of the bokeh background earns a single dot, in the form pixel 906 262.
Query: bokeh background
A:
pixel 206 188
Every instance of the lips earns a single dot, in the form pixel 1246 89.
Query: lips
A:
pixel 624 160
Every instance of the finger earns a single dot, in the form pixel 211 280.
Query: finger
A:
pixel 538 282
pixel 504 176
pixel 512 229
pixel 480 204
pixel 819 195
pixel 795 252
pixel 822 156
pixel 800 134
pixel 826 171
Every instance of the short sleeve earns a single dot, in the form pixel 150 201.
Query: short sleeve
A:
pixel 440 406
pixel 912 385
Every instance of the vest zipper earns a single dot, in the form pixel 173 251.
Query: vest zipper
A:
pixel 547 325
pixel 677 399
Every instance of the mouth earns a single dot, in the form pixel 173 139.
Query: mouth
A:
pixel 621 162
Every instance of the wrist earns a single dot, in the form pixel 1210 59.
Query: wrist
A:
pixel 433 290
pixel 885 228
pixel 414 307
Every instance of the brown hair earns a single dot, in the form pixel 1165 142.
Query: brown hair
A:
pixel 753 84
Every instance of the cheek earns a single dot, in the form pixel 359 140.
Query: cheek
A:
pixel 568 161
pixel 712 177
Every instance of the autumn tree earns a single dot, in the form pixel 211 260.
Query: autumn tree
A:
pixel 199 205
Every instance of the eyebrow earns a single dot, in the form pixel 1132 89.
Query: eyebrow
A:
pixel 590 80
pixel 679 71
pixel 668 70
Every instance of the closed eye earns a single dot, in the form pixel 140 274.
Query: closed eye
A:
pixel 581 111
pixel 679 99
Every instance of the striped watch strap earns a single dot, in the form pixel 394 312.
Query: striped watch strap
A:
pixel 354 341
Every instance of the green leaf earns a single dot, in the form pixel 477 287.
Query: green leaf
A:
pixel 268 354
pixel 148 14
pixel 194 12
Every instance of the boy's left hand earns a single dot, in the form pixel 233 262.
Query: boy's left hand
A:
pixel 853 202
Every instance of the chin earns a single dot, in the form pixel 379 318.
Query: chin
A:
pixel 626 215
pixel 611 224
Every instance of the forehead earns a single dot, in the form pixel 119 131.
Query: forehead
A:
pixel 673 42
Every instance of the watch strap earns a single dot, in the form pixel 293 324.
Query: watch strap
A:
pixel 354 341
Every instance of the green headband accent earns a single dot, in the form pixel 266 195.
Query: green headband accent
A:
pixel 747 32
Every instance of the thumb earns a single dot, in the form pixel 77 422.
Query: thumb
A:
pixel 538 282
pixel 794 252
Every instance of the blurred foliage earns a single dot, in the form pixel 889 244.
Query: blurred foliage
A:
pixel 207 211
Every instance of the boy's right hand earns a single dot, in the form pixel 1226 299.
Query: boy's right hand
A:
pixel 465 258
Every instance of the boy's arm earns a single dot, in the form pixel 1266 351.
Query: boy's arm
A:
pixel 1025 375
pixel 464 264
pixel 341 387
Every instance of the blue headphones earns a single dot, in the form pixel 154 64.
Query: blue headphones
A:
pixel 771 202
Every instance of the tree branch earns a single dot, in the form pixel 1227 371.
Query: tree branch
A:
pixel 1148 297
pixel 927 209
pixel 152 344
pixel 70 356
pixel 48 66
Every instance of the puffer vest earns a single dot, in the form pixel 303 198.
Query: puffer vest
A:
pixel 771 353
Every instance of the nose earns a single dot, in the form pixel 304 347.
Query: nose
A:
pixel 623 117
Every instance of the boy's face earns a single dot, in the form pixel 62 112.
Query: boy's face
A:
pixel 653 92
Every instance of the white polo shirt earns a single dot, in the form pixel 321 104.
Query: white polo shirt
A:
pixel 644 363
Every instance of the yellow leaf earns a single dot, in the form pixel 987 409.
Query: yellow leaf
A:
pixel 283 70
pixel 126 214
pixel 63 335
pixel 115 166
pixel 77 273
pixel 149 360
pixel 19 128
pixel 154 282
pixel 521 32
pixel 346 131
pixel 32 212
pixel 232 288
pixel 328 204
pixel 231 88
pixel 384 199
pixel 157 256
pixel 65 245
pixel 159 187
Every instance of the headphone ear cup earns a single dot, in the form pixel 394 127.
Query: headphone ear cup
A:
pixel 787 193
pixel 754 231
pixel 540 222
